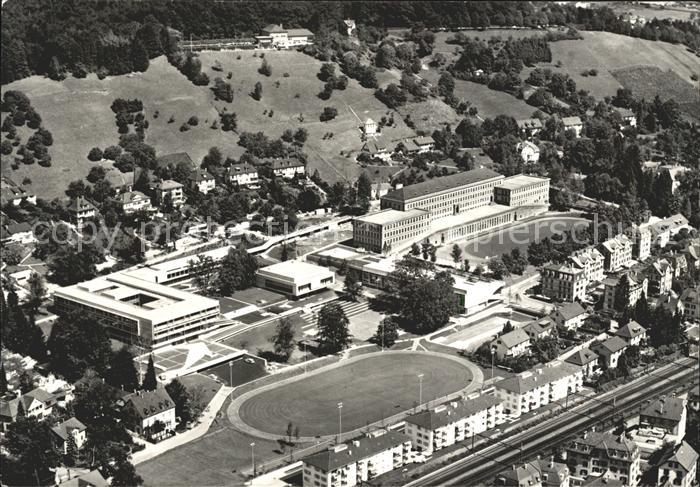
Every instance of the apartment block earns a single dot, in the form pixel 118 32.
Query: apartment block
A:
pixel 565 282
pixel 531 390
pixel 617 253
pixel 357 461
pixel 597 453
pixel 452 422
pixel 591 261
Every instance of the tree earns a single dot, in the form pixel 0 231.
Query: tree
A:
pixel 122 371
pixel 95 154
pixel 257 91
pixel 77 343
pixel 265 68
pixel 284 338
pixel 3 380
pixel 22 335
pixel 125 475
pixel 237 272
pixel 507 328
pixel 456 254
pixel 37 291
pixel 446 84
pixel 415 249
pixel 203 271
pixel 425 298
pixel 181 397
pixel 364 186
pixel 229 122
pixel 301 135
pixel 387 332
pixel 31 445
pixel 329 113
pixel 26 382
pixel 69 266
pixel 327 71
pixel 222 90
pixel 352 287
pixel 333 329
pixel 150 382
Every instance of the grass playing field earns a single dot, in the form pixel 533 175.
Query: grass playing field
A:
pixel 77 112
pixel 606 52
pixel 370 389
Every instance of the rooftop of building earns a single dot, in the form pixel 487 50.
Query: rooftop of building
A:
pixel 530 380
pixel 384 217
pixel 149 403
pixel 684 455
pixel 200 175
pixel 353 451
pixel 175 159
pixel 452 412
pixel 631 330
pixel 131 196
pixel 64 429
pixel 604 441
pixel 570 310
pixel 667 408
pixel 438 185
pixel 520 181
pixel 568 121
pixel 295 269
pixel 512 338
pixel 526 474
pixel 529 123
pixel 582 357
pixel 610 345
pixel 130 296
pixel 168 184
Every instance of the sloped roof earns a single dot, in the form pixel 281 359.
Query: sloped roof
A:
pixel 9 407
pixel 602 440
pixel 80 204
pixel 570 310
pixel 571 121
pixel 528 381
pixel 529 123
pixel 63 429
pixel 174 159
pixel 444 183
pixel 448 413
pixel 539 326
pixel 91 479
pixel 669 408
pixel 685 455
pixel 522 475
pixel 130 196
pixel 338 457
pixel 513 338
pixel 609 346
pixel 631 330
pixel 150 403
pixel 582 357
pixel 200 175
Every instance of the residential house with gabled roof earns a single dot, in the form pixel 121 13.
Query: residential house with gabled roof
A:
pixel 533 389
pixel 176 159
pixel 120 181
pixel 569 315
pixel 150 413
pixel 629 119
pixel 92 478
pixel 10 409
pixel 525 475
pixel 70 428
pixel 276 36
pixel 512 344
pixel 529 126
pixel 633 333
pixel 662 231
pixel 678 467
pixel 609 351
pixel 169 189
pixel 529 152
pixel 592 453
pixel 454 421
pixel 18 233
pixel 13 193
pixel 357 461
pixel 287 168
pixel 81 210
pixel 539 329
pixel 573 123
pixel 678 262
pixel 377 148
pixel 243 174
pixel 587 360
pixel 202 181
pixel 133 201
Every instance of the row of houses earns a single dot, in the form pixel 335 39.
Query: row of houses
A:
pixel 378 147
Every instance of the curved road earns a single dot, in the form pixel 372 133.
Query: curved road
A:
pixel 233 411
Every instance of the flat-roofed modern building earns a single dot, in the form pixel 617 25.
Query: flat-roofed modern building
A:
pixel 295 278
pixel 522 190
pixel 390 228
pixel 139 312
pixel 446 196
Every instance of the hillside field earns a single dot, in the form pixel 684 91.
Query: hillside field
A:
pixel 77 112
pixel 607 52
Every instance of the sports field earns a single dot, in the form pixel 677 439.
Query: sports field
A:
pixel 518 236
pixel 371 387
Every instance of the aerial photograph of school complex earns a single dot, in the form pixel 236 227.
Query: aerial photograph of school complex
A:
pixel 314 243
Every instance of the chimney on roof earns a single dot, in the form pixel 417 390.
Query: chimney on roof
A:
pixel 661 406
pixel 551 461
pixel 356 442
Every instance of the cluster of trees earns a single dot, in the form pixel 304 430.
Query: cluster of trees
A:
pixel 333 81
pixel 222 90
pixel 188 63
pixel 19 331
pixel 422 296
pixel 236 271
pixel 19 113
pixel 130 112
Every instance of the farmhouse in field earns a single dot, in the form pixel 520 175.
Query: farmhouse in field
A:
pixel 276 36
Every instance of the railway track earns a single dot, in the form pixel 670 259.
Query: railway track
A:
pixel 487 462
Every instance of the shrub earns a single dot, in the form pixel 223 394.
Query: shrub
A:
pixel 329 113
pixel 193 121
pixel 95 154
pixel 6 147
pixel 45 161
pixel 171 119
pixel 286 75
pixel 112 152
pixel 593 72
pixel 184 127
